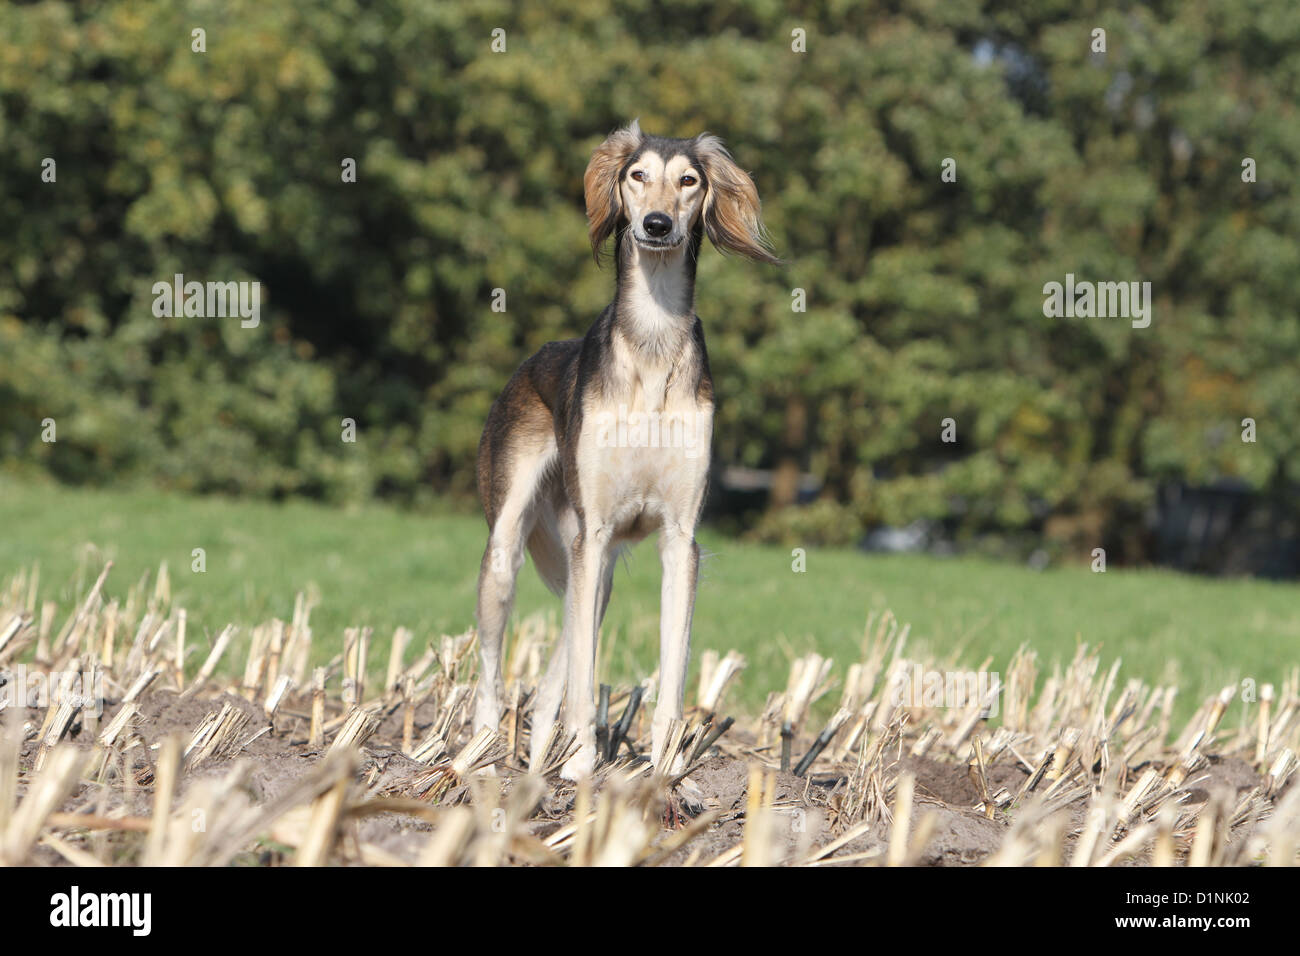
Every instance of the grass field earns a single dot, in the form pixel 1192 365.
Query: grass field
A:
pixel 383 567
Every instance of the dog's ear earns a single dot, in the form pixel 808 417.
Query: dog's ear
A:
pixel 600 184
pixel 732 215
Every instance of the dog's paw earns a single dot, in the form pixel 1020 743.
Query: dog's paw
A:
pixel 580 766
pixel 692 798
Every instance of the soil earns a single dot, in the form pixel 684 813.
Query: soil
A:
pixel 961 834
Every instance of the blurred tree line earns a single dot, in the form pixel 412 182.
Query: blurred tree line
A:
pixel 924 298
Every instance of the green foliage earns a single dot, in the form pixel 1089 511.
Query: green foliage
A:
pixel 924 297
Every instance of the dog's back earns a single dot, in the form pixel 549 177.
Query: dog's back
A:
pixel 522 416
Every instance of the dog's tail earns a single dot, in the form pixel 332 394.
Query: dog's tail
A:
pixel 550 557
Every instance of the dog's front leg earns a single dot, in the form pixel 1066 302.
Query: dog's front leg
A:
pixel 680 556
pixel 586 569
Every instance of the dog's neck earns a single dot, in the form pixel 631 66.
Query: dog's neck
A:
pixel 654 305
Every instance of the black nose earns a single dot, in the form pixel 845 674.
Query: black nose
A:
pixel 657 225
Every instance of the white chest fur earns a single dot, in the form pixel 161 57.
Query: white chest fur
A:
pixel 644 446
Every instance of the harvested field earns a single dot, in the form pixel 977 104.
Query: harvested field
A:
pixel 121 743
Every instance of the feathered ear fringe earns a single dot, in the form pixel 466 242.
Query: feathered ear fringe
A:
pixel 600 184
pixel 732 214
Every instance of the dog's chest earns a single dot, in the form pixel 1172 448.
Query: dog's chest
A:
pixel 645 442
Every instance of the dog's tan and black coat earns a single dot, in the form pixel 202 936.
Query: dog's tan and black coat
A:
pixel 550 478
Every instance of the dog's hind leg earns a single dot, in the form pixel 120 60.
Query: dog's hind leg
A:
pixel 550 694
pixel 549 544
pixel 502 559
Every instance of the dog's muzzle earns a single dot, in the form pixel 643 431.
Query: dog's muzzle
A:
pixel 656 233
pixel 657 225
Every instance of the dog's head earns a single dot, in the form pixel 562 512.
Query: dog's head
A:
pixel 662 190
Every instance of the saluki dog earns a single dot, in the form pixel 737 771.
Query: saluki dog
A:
pixel 595 442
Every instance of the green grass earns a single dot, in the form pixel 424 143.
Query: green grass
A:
pixel 382 567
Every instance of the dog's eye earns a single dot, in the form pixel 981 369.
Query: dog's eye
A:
pixel 689 180
pixel 638 175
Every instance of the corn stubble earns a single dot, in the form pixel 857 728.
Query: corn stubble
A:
pixel 1080 769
